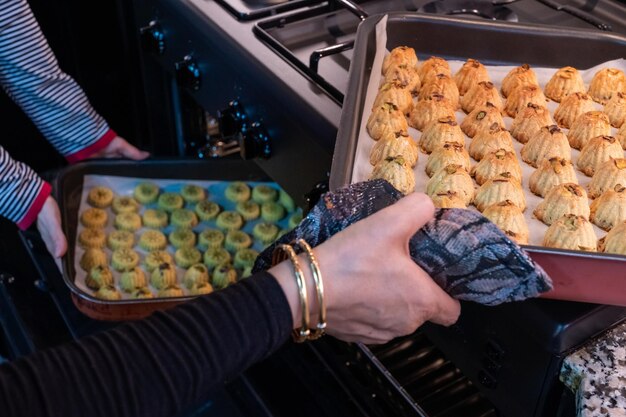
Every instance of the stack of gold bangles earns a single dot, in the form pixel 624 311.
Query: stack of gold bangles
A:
pixel 284 251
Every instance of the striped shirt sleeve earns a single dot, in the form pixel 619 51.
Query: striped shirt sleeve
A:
pixel 30 74
pixel 22 192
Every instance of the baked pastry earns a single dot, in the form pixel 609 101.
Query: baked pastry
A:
pixel 238 239
pixel 448 199
pixel 482 117
pixel 94 217
pixel 480 94
pixel 571 107
pixel 294 220
pixel 187 256
pixel 495 163
pixel 170 201
pixel 171 291
pixel 223 276
pixel 133 279
pixel 529 122
pixel 156 258
pixel 430 109
pixel 449 153
pixel 614 241
pixel 609 209
pixel 265 232
pixel 390 145
pixel 152 240
pixel 451 178
pixel 621 136
pixel 108 292
pixel 197 274
pixel 571 232
pixel 605 83
pixel 140 293
pixel 247 271
pixel 124 204
pixel 272 212
pixel 237 191
pixel 551 172
pixel 124 259
pixel 510 219
pixel 565 81
pixel 249 210
pixel 183 218
pixel 615 108
pixel 163 276
pixel 128 221
pixel 146 192
pixel 201 289
pixel 392 92
pixel 93 257
pixel 384 119
pixel 587 126
pixel 400 56
pixel 598 150
pixel 562 199
pixel 99 276
pixel 396 171
pixel 245 258
pixel 444 130
pixel 181 238
pixel 207 210
pixel 490 140
pixel 471 73
pixel 503 187
pixel 100 197
pixel 607 176
pixel 550 142
pixel 441 84
pixel 264 194
pixel 154 218
pixel 432 67
pixel 192 193
pixel 286 200
pixel 92 238
pixel 406 75
pixel 118 239
pixel 216 256
pixel 521 97
pixel 229 220
pixel 517 77
pixel 210 238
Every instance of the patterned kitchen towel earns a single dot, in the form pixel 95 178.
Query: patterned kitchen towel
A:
pixel 464 253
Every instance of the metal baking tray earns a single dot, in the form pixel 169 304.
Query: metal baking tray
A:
pixel 577 276
pixel 67 190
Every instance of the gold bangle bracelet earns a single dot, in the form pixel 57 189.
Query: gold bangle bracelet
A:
pixel 301 334
pixel 320 328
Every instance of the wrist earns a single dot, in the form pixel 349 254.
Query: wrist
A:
pixel 284 274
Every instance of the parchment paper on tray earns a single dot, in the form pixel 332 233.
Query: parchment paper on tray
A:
pixel 362 168
pixel 124 186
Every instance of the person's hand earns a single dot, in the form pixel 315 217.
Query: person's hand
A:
pixel 49 226
pixel 120 148
pixel 373 290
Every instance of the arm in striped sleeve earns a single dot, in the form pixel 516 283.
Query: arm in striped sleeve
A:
pixel 30 74
pixel 22 192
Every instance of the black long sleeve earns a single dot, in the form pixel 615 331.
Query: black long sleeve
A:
pixel 155 367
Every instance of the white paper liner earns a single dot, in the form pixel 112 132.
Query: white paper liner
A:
pixel 362 169
pixel 124 186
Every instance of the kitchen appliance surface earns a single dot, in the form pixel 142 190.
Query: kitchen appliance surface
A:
pixel 201 57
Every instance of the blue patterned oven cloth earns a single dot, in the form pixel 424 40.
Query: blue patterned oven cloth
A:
pixel 464 253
